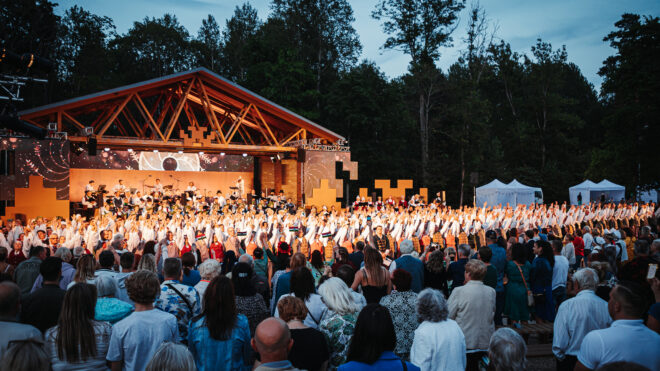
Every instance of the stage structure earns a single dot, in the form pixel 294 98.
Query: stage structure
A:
pixel 174 128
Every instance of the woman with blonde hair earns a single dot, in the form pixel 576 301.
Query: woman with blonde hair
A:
pixel 339 324
pixel 85 269
pixel 148 262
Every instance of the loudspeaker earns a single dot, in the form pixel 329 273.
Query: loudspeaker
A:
pixel 301 155
pixel 7 162
pixel 91 146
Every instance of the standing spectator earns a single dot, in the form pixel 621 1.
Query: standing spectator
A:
pixel 456 271
pixel 401 305
pixel 260 283
pixel 26 272
pixel 219 338
pixel 341 258
pixel 108 307
pixel 176 298
pixel 439 343
pixel 310 349
pixel 208 270
pixel 507 351
pixel 577 317
pixel 339 324
pixel 11 330
pixel 357 257
pixel 435 274
pixel 485 255
pixel 78 341
pixel 248 301
pixel 568 251
pixel 190 275
pixel 284 281
pixel 472 306
pixel 372 345
pixel 374 279
pixel 127 264
pixel 302 287
pixel 410 264
pixel 171 357
pixel 25 356
pixel 635 270
pixel 588 239
pixel 540 279
pixel 136 338
pixel 517 271
pixel 627 339
pixel 85 269
pixel 68 271
pixel 499 261
pixel 5 268
pixel 42 308
pixel 578 243
pixel 347 274
pixel 272 340
pixel 559 274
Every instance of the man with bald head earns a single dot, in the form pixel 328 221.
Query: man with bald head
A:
pixel 272 340
pixel 11 330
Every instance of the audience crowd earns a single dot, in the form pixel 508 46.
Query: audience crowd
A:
pixel 373 287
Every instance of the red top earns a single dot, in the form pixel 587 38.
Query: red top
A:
pixel 578 243
pixel 186 248
pixel 217 251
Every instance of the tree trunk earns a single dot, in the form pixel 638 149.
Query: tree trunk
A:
pixel 460 202
pixel 424 134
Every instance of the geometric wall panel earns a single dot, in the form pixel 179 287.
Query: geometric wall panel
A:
pixel 36 201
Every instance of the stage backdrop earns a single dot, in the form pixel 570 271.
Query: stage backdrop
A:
pixel 209 172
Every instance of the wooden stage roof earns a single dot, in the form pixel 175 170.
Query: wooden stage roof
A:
pixel 193 110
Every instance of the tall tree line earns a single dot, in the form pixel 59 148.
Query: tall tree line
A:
pixel 493 113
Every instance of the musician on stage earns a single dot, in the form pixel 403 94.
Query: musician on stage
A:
pixel 119 187
pixel 91 186
pixel 380 240
pixel 158 187
pixel 89 204
pixel 191 187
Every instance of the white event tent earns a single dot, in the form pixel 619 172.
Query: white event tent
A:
pixel 514 193
pixel 590 191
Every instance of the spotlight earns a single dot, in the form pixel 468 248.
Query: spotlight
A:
pixel 180 152
pixel 279 157
pixel 245 155
pixel 130 150
pixel 106 149
pixel 222 154
pixel 201 152
pixel 155 151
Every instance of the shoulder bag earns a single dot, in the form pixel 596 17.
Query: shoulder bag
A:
pixel 530 296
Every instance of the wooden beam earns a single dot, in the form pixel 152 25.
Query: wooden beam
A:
pixel 114 115
pixel 237 123
pixel 148 116
pixel 210 115
pixel 266 125
pixel 73 120
pixel 288 139
pixel 177 110
pixel 134 125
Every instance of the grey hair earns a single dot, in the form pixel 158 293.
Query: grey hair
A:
pixel 337 296
pixel 77 251
pixel 586 278
pixel 464 250
pixel 507 350
pixel 431 306
pixel 64 254
pixel 209 269
pixel 587 228
pixel 655 245
pixel 246 258
pixel 171 357
pixel 105 286
pixel 406 247
pixel 147 262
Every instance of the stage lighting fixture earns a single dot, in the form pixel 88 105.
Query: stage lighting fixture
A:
pixel 106 149
pixel 201 152
pixel 52 126
pixel 245 155
pixel 130 149
pixel 180 152
pixel 88 130
pixel 279 157
pixel 155 151
pixel 222 154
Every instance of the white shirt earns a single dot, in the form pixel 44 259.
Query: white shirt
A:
pixel 625 340
pixel 438 346
pixel 316 310
pixel 588 240
pixel 559 272
pixel 576 317
pixel 568 251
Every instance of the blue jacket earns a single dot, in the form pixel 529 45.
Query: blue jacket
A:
pixel 499 262
pixel 210 354
pixel 387 361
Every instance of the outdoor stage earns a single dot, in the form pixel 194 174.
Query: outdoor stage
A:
pixel 191 126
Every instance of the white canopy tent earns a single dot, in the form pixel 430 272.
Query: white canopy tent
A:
pixel 588 191
pixel 537 192
pixel 514 193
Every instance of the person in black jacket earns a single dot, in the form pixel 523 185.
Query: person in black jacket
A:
pixel 41 309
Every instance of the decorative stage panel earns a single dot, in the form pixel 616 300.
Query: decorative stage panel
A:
pixel 396 193
pixel 36 200
pixel 321 165
pixel 48 159
pixel 323 196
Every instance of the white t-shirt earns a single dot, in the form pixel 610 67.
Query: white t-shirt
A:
pixel 559 271
pixel 136 338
